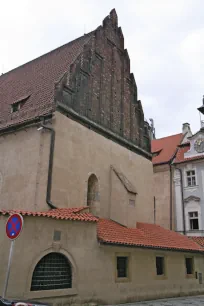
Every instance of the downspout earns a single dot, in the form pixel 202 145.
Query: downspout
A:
pixel 182 201
pixel 50 167
pixel 171 199
pixel 154 210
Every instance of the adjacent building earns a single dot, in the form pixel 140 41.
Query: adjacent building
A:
pixel 189 184
pixel 178 163
pixel 164 151
pixel 75 161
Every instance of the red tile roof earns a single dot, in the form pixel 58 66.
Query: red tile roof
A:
pixel 145 235
pixel 75 214
pixel 165 147
pixel 199 240
pixel 180 155
pixel 36 79
pixel 110 232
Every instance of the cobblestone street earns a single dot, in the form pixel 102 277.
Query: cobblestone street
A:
pixel 181 301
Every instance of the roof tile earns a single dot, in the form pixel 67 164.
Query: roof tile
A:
pixel 144 235
pixel 180 155
pixel 165 148
pixel 75 214
pixel 199 240
pixel 110 232
pixel 36 79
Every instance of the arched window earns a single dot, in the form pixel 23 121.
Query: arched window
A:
pixel 53 271
pixel 93 192
pixel 93 199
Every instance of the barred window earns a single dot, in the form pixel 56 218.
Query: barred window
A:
pixel 53 271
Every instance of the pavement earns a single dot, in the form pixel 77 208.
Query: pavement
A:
pixel 181 301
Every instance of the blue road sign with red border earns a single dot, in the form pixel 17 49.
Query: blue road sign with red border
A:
pixel 14 226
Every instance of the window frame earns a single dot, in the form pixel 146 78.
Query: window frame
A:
pixel 193 218
pixel 128 269
pixel 191 176
pixel 189 275
pixel 164 275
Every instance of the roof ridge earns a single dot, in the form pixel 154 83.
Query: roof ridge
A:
pixel 47 53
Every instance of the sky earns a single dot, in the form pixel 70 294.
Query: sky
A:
pixel 164 38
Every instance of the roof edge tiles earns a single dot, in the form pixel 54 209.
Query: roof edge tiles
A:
pixel 75 214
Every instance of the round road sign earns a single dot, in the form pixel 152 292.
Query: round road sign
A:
pixel 14 226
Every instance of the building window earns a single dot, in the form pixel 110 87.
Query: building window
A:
pixel 15 107
pixel 193 220
pixel 53 271
pixel 189 265
pixel 160 265
pixel 191 178
pixel 122 266
pixel 93 197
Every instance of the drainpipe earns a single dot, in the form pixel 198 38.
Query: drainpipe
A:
pixel 50 167
pixel 171 199
pixel 182 200
pixel 154 210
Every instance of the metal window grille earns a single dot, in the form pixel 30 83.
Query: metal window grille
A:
pixel 193 219
pixel 122 266
pixel 189 265
pixel 191 179
pixel 160 265
pixel 53 271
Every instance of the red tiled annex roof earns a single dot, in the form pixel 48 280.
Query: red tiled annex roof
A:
pixel 180 155
pixel 36 80
pixel 110 232
pixel 75 214
pixel 145 235
pixel 199 240
pixel 165 147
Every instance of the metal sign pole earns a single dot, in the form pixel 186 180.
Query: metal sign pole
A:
pixel 8 268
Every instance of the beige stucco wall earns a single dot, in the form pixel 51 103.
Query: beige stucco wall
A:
pixel 79 152
pixel 23 169
pixel 94 265
pixel 161 181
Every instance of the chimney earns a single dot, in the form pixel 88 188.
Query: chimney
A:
pixel 186 128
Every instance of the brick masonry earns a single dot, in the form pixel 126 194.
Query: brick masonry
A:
pixel 100 86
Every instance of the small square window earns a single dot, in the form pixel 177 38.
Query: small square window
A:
pixel 189 265
pixel 160 265
pixel 15 107
pixel 122 266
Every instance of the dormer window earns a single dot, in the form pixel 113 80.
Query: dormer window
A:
pixel 16 106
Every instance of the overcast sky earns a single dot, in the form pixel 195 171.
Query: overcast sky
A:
pixel 164 38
